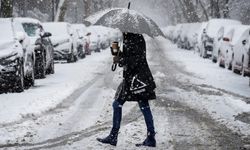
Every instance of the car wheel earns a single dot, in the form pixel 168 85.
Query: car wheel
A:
pixel 214 59
pixel 19 82
pixel 71 58
pixel 80 52
pixel 51 69
pixel 220 61
pixel 30 80
pixel 228 66
pixel 235 70
pixel 75 58
pixel 40 67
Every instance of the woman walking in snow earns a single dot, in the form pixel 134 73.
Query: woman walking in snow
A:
pixel 137 85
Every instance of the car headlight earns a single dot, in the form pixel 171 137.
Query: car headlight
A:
pixel 9 60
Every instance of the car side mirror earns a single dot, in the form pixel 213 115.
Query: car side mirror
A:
pixel 20 36
pixel 46 34
pixel 244 42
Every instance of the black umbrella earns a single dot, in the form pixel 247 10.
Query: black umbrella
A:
pixel 130 21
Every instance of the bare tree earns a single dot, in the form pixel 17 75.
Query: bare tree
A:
pixel 203 9
pixel 6 9
pixel 63 10
pixel 188 10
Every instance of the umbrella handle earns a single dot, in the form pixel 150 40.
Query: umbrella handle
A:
pixel 113 68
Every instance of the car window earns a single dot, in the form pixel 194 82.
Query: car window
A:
pixel 31 29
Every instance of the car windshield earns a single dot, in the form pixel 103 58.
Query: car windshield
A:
pixel 31 29
pixel 6 32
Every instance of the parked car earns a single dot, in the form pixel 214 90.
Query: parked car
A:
pixel 210 32
pixel 241 50
pixel 226 49
pixel 198 37
pixel 105 41
pixel 218 40
pixel 177 33
pixel 188 36
pixel 80 32
pixel 44 50
pixel 95 43
pixel 17 58
pixel 65 47
pixel 182 39
pixel 87 43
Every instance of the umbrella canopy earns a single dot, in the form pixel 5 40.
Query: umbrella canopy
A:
pixel 130 21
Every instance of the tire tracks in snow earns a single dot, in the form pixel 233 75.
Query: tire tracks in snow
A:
pixel 217 133
pixel 65 104
pixel 75 136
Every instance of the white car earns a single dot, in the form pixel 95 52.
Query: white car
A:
pixel 177 33
pixel 210 33
pixel 198 37
pixel 17 57
pixel 225 53
pixel 79 31
pixel 65 47
pixel 101 37
pixel 95 43
pixel 192 35
pixel 182 37
pixel 241 47
pixel 219 40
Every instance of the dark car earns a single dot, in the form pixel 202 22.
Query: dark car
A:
pixel 43 47
pixel 17 57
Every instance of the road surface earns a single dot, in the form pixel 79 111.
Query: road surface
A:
pixel 86 114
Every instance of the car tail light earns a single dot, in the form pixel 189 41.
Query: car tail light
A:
pixel 226 39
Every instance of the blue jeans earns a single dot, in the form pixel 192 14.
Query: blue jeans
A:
pixel 145 109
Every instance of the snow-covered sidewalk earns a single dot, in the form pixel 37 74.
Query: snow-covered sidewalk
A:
pixel 50 92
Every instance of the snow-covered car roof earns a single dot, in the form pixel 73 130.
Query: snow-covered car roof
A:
pixel 80 28
pixel 57 28
pixel 214 25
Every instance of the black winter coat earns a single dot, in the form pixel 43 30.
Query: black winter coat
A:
pixel 138 82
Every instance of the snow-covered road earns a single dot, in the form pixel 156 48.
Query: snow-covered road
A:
pixel 68 110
